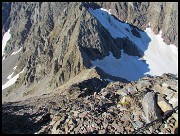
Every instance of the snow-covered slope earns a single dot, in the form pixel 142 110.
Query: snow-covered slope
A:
pixel 11 80
pixel 162 58
pixel 5 39
pixel 158 57
pixel 128 67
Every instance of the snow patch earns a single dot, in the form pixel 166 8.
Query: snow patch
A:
pixel 15 67
pixel 5 39
pixel 12 80
pixel 10 76
pixel 3 58
pixel 109 11
pixel 16 51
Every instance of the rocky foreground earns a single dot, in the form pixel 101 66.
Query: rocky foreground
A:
pixel 96 107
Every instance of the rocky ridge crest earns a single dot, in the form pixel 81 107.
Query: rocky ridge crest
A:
pixel 96 107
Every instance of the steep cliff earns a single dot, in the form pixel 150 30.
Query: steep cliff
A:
pixel 163 16
pixel 61 39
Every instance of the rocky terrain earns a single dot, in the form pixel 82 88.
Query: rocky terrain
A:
pixel 57 89
pixel 96 107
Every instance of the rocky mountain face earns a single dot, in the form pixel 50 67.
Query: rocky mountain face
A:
pixel 148 106
pixel 161 15
pixel 59 40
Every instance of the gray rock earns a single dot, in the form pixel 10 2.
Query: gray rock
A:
pixel 54 129
pixel 175 115
pixel 75 113
pixel 143 83
pixel 117 127
pixel 164 85
pixel 98 121
pixel 137 113
pixel 172 84
pixel 66 128
pixel 83 114
pixel 77 128
pixel 122 92
pixel 167 91
pixel 104 114
pixel 125 117
pixel 174 101
pixel 103 131
pixel 170 95
pixel 150 108
pixel 132 90
pixel 137 124
pixel 103 93
pixel 55 111
pixel 105 124
pixel 163 104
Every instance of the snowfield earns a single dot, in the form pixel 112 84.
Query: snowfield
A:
pixel 11 80
pixel 5 39
pixel 158 57
pixel 128 67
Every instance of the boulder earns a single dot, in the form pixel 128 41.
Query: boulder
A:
pixel 170 96
pixel 117 127
pixel 137 124
pixel 163 104
pixel 103 131
pixel 75 113
pixel 174 101
pixel 54 129
pixel 143 83
pixel 122 92
pixel 175 115
pixel 83 114
pixel 150 108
